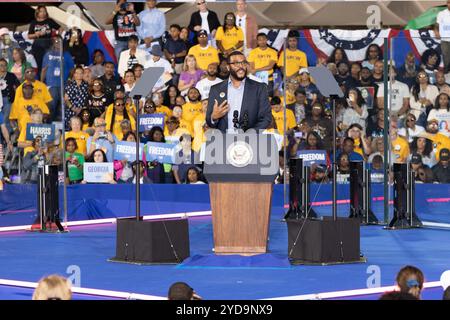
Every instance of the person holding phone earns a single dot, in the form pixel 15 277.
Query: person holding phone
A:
pixel 356 110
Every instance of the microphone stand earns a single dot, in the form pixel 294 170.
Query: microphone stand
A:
pixel 136 99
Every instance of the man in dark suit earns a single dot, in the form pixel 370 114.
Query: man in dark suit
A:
pixel 238 96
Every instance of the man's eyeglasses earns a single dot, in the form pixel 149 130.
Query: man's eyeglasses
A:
pixel 149 106
pixel 200 3
pixel 422 76
pixel 120 104
pixel 410 120
pixel 239 63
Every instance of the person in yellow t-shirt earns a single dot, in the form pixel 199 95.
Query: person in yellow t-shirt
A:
pixel 157 99
pixel 113 122
pixel 22 107
pixel 229 37
pixel 76 133
pixel 172 130
pixel 199 126
pixel 177 112
pixel 296 59
pixel 204 53
pixel 129 105
pixel 399 145
pixel 40 89
pixel 22 142
pixel 263 59
pixel 439 140
pixel 278 115
pixel 193 107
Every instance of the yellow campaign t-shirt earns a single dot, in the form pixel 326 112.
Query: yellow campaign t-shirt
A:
pixel 186 126
pixel 204 56
pixel 357 148
pixel 262 58
pixel 190 110
pixel 22 108
pixel 295 60
pixel 279 120
pixel 230 38
pixel 110 108
pixel 165 110
pixel 199 136
pixel 23 138
pixel 400 149
pixel 176 134
pixel 40 91
pixel 81 138
pixel 440 141
pixel 117 130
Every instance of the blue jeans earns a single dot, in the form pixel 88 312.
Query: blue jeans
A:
pixel 55 105
pixel 6 110
pixel 119 47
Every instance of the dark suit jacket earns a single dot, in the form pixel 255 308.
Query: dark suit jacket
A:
pixel 255 103
pixel 196 20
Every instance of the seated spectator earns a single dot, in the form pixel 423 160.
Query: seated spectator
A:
pixel 283 124
pixel 301 107
pixel 424 146
pixel 185 159
pixel 224 72
pixel 175 49
pixel 291 86
pixel 441 171
pixel 7 91
pixel 399 145
pixel 109 80
pixel 76 47
pixel 194 176
pixel 40 89
pixel 157 60
pixel 356 110
pixel 36 117
pixel 431 60
pixel 88 75
pixel 177 112
pixel 343 163
pixel 366 79
pixel 410 129
pixel 98 100
pixel 185 37
pixel 296 59
pixel 343 76
pixel 398 95
pixel 321 125
pixel 86 121
pixel 170 96
pixel 337 56
pixel 181 290
pixel 34 159
pixel 348 146
pixel 410 280
pixel 76 95
pixel 439 140
pixel 18 64
pixel 124 20
pixel 229 37
pixel 423 95
pixel 99 156
pixel 80 137
pixel 319 174
pixel 377 72
pixel 138 70
pixel 416 164
pixel 204 85
pixel 74 162
pixel 53 287
pixel 172 130
pixel 199 127
pixel 204 53
pixel 158 100
pixel 132 56
pixel 190 75
pixel 362 144
pixel 194 106
pixel 156 171
pixel 123 170
pixel 441 112
pixel 377 165
pixel 377 148
pixel 143 179
pixel 102 139
pixel 376 128
pixel 441 83
pixel 129 81
pixel 312 93
pixel 119 113
pixel 373 54
pixel 408 71
pixel 98 65
pixel 23 107
pixel 425 175
pixel 355 71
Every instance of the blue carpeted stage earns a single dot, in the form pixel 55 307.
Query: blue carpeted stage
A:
pixel 28 256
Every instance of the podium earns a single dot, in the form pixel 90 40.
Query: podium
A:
pixel 240 169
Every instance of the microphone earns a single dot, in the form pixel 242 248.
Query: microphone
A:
pixel 235 119
pixel 245 120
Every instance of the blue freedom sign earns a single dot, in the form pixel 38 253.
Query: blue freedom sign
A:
pixel 148 121
pixel 161 152
pixel 125 150
pixel 311 157
pixel 98 172
pixel 45 131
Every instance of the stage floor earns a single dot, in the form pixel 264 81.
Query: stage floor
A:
pixel 27 256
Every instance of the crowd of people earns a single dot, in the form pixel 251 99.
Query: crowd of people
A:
pixel 98 111
pixel 409 286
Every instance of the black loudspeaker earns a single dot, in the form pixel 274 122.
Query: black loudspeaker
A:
pixel 152 241
pixel 324 241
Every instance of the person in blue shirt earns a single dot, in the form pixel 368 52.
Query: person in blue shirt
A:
pixel 152 27
pixel 51 75
pixel 347 147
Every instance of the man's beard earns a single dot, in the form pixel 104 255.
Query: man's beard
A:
pixel 432 130
pixel 235 75
pixel 213 74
